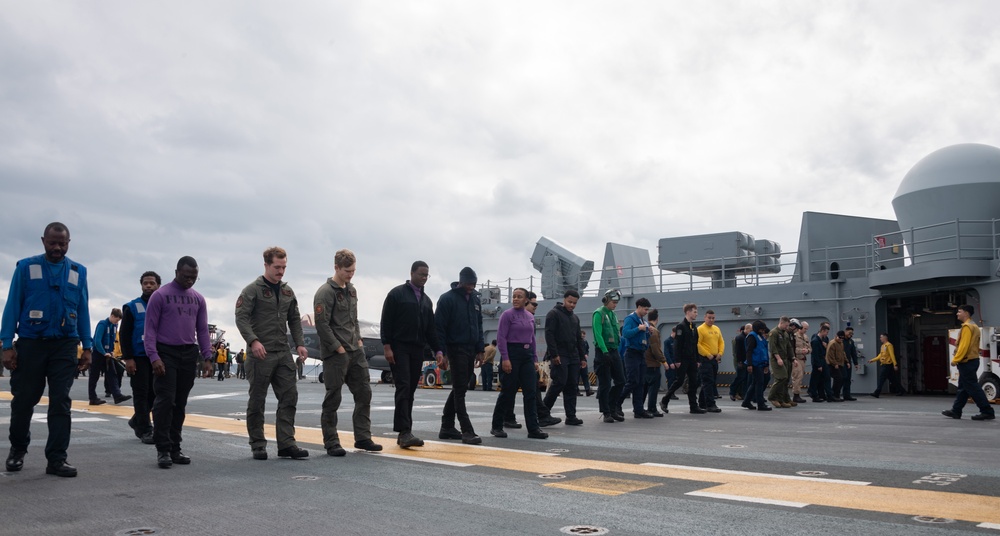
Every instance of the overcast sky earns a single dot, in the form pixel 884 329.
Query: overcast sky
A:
pixel 460 132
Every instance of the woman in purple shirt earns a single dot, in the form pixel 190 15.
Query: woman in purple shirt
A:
pixel 516 342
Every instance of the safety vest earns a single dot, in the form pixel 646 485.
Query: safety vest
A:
pixel 52 298
pixel 138 308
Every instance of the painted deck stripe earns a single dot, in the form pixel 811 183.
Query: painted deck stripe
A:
pixel 216 395
pixel 740 498
pixel 763 475
pixel 424 460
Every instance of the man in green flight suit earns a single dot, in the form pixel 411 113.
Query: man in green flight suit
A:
pixel 344 361
pixel 264 311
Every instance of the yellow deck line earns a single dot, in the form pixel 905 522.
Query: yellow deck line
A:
pixel 901 501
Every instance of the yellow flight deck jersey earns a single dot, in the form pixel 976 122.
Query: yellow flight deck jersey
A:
pixel 221 356
pixel 710 340
pixel 886 356
pixel 968 343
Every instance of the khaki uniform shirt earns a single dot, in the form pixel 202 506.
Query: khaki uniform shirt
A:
pixel 336 310
pixel 262 317
pixel 489 354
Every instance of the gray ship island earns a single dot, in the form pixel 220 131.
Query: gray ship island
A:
pixel 905 277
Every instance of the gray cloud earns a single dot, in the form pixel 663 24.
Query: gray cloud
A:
pixel 459 133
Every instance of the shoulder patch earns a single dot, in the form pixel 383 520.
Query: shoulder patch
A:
pixel 267 293
pixel 239 301
pixel 286 292
pixel 319 308
pixel 354 293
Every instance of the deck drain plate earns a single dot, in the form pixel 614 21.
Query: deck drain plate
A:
pixel 929 519
pixel 583 529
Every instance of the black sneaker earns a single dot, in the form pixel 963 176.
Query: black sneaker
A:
pixel 163 459
pixel 180 458
pixel 407 440
pixel 512 424
pixel 449 433
pixel 713 409
pixel 259 453
pixel 470 438
pixel 573 421
pixel 368 445
pixel 643 415
pixel 952 414
pixel 983 417
pixel 336 450
pixel 62 469
pixel 698 411
pixel 549 421
pixel 620 417
pixel 663 404
pixel 15 460
pixel 537 434
pixel 97 402
pixel 294 453
pixel 498 432
pixel 608 418
pixel 147 438
pixel 123 398
pixel 656 413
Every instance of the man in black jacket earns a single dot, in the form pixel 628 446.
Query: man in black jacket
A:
pixel 564 344
pixel 407 328
pixel 459 322
pixel 686 355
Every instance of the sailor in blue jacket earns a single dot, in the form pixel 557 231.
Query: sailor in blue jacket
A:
pixel 47 310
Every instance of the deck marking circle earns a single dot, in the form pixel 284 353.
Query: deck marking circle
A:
pixel 583 529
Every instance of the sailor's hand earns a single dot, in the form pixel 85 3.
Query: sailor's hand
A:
pixel 257 349
pixel 130 367
pixel 158 368
pixel 479 358
pixel 555 360
pixel 303 353
pixel 84 360
pixel 10 358
pixel 387 352
pixel 506 367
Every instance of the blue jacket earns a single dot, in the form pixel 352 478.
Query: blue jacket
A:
pixel 635 338
pixel 668 350
pixel 47 301
pixel 818 351
pixel 759 356
pixel 104 337
pixel 459 318
pixel 133 327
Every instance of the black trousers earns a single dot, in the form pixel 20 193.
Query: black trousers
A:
pixel 38 361
pixel 142 389
pixel 461 361
pixel 172 390
pixel 687 369
pixel 706 374
pixel 522 375
pixel 405 374
pixel 610 379
pixel 565 377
